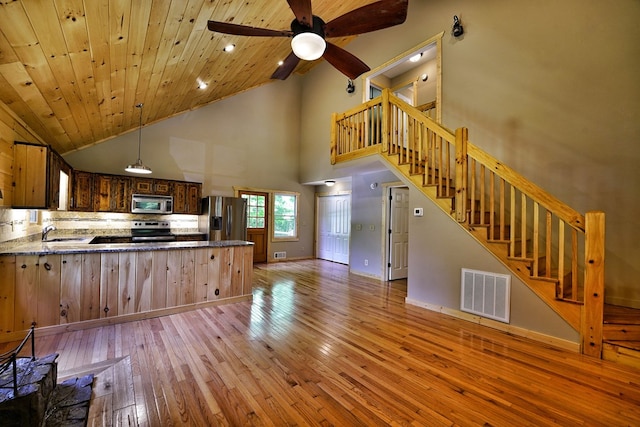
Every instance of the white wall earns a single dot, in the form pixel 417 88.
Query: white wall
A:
pixel 549 88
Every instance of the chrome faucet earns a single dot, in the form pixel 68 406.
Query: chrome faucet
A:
pixel 46 230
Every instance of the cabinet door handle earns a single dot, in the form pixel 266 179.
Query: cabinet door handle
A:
pixel 47 266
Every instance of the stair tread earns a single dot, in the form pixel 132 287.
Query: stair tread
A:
pixel 615 314
pixel 633 345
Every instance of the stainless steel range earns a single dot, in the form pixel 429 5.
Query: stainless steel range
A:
pixel 151 231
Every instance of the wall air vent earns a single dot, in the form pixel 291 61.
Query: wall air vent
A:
pixel 486 294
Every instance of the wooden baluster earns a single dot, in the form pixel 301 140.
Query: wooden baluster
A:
pixel 492 208
pixel 535 238
pixel 512 221
pixel 482 193
pixel 502 210
pixel 574 264
pixel 461 174
pixel 548 245
pixel 523 226
pixel 561 284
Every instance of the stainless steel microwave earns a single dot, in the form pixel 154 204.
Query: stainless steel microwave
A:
pixel 149 203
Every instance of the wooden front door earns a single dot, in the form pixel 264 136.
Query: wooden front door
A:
pixel 257 222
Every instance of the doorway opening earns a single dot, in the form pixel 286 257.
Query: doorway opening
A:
pixel 415 75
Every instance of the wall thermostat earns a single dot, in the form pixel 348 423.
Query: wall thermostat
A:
pixel 417 212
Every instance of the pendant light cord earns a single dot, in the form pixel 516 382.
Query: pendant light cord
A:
pixel 140 131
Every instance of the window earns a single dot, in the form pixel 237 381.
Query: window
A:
pixel 255 210
pixel 285 216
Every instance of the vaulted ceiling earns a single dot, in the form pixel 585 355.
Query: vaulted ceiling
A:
pixel 74 70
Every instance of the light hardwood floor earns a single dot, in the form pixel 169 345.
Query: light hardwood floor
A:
pixel 318 346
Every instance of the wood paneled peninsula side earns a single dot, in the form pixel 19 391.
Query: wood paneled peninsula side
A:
pixel 71 285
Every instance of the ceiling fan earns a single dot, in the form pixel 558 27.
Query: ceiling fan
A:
pixel 309 33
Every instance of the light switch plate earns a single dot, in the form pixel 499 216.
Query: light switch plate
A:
pixel 417 212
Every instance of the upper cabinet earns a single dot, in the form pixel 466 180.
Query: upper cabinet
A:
pixel 82 191
pixel 43 180
pixel 40 177
pixel 152 186
pixel 95 192
pixel 187 197
pixel 112 193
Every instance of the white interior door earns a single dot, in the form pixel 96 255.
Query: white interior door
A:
pixel 334 227
pixel 398 233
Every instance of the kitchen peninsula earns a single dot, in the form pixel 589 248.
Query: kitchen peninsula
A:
pixel 70 284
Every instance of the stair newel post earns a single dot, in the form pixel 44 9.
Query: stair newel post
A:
pixel 593 309
pixel 462 136
pixel 334 136
pixel 386 118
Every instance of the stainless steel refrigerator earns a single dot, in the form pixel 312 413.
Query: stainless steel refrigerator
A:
pixel 223 218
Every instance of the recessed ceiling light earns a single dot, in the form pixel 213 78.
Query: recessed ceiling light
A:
pixel 229 47
pixel 202 85
pixel 416 58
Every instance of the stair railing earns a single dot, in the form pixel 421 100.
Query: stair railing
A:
pixel 557 244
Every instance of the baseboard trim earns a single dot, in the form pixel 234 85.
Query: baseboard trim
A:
pixel 514 330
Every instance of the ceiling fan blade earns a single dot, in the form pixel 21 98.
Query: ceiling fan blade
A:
pixel 245 30
pixel 372 17
pixel 302 10
pixel 345 62
pixel 287 67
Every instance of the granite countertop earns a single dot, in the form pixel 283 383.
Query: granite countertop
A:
pixel 80 244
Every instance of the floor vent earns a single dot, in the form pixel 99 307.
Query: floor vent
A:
pixel 279 255
pixel 486 294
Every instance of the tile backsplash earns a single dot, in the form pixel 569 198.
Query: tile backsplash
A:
pixel 26 224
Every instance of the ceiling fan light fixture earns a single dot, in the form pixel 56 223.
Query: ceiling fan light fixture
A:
pixel 308 46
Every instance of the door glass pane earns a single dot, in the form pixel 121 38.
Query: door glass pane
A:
pixel 255 210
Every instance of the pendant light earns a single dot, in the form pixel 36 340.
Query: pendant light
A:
pixel 138 167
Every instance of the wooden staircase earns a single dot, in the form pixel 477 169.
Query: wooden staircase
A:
pixel 556 251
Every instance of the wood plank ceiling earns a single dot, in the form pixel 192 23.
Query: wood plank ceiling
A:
pixel 73 70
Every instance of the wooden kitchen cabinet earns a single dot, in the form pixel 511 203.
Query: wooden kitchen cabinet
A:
pixel 70 288
pixel 37 290
pixel 29 176
pixel 187 197
pixel 58 290
pixel 112 193
pixel 36 176
pixel 81 191
pixel 161 187
pixel 142 185
pixel 7 293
